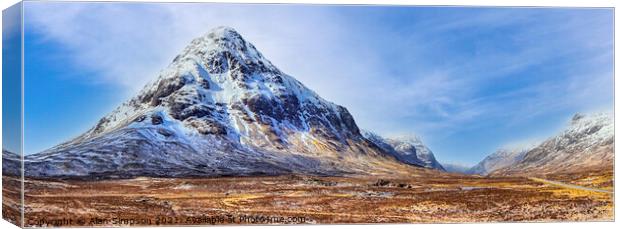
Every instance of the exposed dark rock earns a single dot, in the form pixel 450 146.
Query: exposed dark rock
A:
pixel 140 118
pixel 165 133
pixel 176 58
pixel 577 117
pixel 205 84
pixel 348 121
pixel 207 126
pixel 182 110
pixel 156 119
pixel 197 111
pixel 165 88
pixel 262 106
pixel 217 63
pixel 101 125
pixel 402 185
pixel 382 183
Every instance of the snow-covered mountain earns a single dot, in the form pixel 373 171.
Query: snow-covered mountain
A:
pixel 11 164
pixel 500 159
pixel 220 108
pixel 456 168
pixel 587 144
pixel 407 149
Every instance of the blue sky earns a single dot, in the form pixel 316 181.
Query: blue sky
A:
pixel 11 80
pixel 467 80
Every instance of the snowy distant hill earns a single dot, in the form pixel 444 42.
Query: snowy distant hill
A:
pixel 586 144
pixel 456 168
pixel 407 149
pixel 221 108
pixel 500 159
pixel 11 164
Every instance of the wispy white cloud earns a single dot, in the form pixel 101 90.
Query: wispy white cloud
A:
pixel 129 43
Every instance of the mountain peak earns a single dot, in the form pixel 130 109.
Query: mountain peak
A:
pixel 577 117
pixel 226 37
pixel 599 117
pixel 223 49
pixel 223 32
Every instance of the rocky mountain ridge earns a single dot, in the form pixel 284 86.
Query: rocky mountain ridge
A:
pixel 408 149
pixel 500 159
pixel 587 144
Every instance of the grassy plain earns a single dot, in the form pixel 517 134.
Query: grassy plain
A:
pixel 304 199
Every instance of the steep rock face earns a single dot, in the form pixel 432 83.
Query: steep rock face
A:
pixel 407 149
pixel 587 144
pixel 220 108
pixel 502 158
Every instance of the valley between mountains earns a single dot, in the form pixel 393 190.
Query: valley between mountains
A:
pixel 223 132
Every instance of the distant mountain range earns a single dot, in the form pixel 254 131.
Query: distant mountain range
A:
pixel 585 145
pixel 500 159
pixel 407 149
pixel 456 168
pixel 222 109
